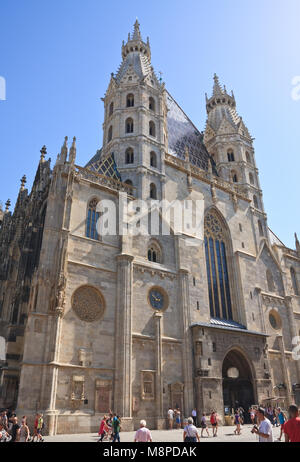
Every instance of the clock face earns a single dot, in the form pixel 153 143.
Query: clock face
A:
pixel 156 299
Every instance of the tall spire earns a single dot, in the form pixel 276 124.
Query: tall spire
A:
pixel 136 32
pixel 72 155
pixel 217 90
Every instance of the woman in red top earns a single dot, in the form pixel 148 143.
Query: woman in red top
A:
pixel 214 422
pixel 291 428
pixel 103 429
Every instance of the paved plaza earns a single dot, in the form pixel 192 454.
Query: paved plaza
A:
pixel 225 434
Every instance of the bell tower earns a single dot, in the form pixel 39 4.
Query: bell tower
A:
pixel 134 128
pixel 229 142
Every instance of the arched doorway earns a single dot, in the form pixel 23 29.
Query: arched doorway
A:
pixel 237 383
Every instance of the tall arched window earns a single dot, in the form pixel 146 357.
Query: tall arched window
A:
pixel 111 109
pixel 92 218
pixel 255 202
pixel 151 104
pixel 230 155
pixel 216 245
pixel 234 177
pixel 129 125
pixel 110 133
pixel 154 252
pixel 153 192
pixel 248 158
pixel 294 281
pixel 270 281
pixel 251 178
pixel 129 156
pixel 260 228
pixel 130 100
pixel 151 128
pixel 153 161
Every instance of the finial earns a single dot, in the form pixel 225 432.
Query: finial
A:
pixel 217 90
pixel 23 182
pixel 186 154
pixel 43 152
pixel 72 155
pixel 64 150
pixel 7 205
pixel 136 33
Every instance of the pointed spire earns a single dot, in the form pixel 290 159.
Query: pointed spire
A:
pixel 217 90
pixel 64 150
pixel 136 32
pixel 72 155
pixel 23 182
pixel 7 205
pixel 43 152
pixel 297 244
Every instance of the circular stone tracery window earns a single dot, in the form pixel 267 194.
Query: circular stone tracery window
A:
pixel 275 320
pixel 88 304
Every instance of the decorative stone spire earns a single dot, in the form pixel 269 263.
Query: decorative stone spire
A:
pixel 297 244
pixel 137 32
pixel 64 150
pixel 72 155
pixel 43 152
pixel 217 90
pixel 23 182
pixel 135 43
pixel 7 205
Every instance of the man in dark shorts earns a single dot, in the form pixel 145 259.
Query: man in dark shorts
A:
pixel 292 426
pixel 15 430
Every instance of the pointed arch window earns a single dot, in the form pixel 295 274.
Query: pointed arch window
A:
pixel 153 159
pixel 111 109
pixel 255 202
pixel 230 155
pixel 260 228
pixel 251 178
pixel 153 191
pixel 216 245
pixel 130 100
pixel 294 281
pixel 129 156
pixel 92 219
pixel 151 104
pixel 129 125
pixel 234 177
pixel 154 253
pixel 110 134
pixel 248 158
pixel 152 128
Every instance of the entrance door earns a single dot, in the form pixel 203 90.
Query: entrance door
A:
pixel 237 383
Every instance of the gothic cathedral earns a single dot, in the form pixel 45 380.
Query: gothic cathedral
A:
pixel 94 322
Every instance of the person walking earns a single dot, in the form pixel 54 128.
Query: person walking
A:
pixel 143 434
pixel 4 420
pixel 15 430
pixel 214 423
pixel 4 436
pixel 170 418
pixel 40 427
pixel 190 432
pixel 281 419
pixel 24 431
pixel 194 415
pixel 116 425
pixel 203 426
pixel 265 430
pixel 292 426
pixel 35 433
pixel 103 430
pixel 237 422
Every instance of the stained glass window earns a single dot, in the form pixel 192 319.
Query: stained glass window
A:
pixel 91 222
pixel 217 268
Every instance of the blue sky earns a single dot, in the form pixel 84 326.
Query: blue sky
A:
pixel 57 57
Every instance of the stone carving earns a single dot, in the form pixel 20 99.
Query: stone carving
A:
pixel 88 304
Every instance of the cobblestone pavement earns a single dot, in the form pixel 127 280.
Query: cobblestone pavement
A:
pixel 225 434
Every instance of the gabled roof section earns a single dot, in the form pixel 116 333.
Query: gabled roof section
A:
pixel 182 133
pixel 275 239
pixel 106 167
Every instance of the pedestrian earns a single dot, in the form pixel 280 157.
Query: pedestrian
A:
pixel 237 422
pixel 281 418
pixel 292 426
pixel 252 415
pixel 15 430
pixel 203 426
pixel 40 427
pixel 214 422
pixel 264 431
pixel 178 418
pixel 190 432
pixel 24 431
pixel 143 434
pixel 35 425
pixel 4 436
pixel 116 425
pixel 194 415
pixel 170 418
pixel 103 430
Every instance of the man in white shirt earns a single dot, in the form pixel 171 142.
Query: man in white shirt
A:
pixel 194 415
pixel 265 430
pixel 170 418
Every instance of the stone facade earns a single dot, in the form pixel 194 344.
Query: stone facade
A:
pixel 81 333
